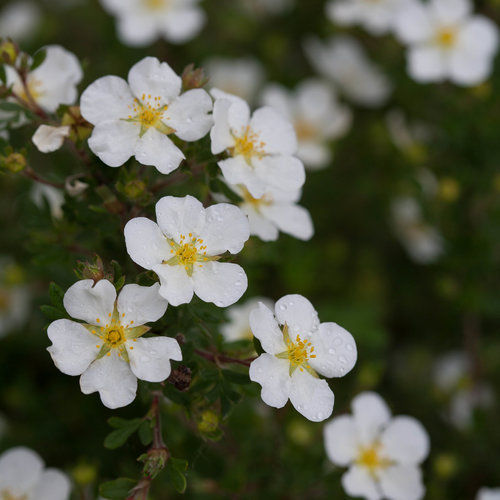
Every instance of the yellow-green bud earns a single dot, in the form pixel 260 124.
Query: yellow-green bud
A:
pixel 84 474
pixel 209 422
pixel 8 52
pixel 15 162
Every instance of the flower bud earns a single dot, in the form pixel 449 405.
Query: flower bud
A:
pixel 14 162
pixel 209 422
pixel 154 461
pixel 193 78
pixel 8 52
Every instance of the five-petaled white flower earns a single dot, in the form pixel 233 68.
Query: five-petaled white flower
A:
pixel 275 211
pixel 261 147
pixel 295 353
pixel 52 83
pixel 136 118
pixel 343 60
pixel 107 350
pixel 184 247
pixel 23 477
pixel 446 41
pixel 383 453
pixel 316 116
pixel 141 22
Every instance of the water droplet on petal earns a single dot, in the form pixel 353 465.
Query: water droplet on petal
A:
pixel 282 307
pixel 331 351
pixel 343 360
pixel 349 347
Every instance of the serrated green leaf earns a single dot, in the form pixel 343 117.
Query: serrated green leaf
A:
pixel 56 295
pixel 51 312
pixel 119 437
pixel 236 377
pixel 38 58
pixel 145 433
pixel 117 489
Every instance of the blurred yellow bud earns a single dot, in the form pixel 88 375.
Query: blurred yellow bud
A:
pixel 449 189
pixel 209 422
pixel 14 162
pixel 300 432
pixel 8 52
pixel 84 474
pixel 445 465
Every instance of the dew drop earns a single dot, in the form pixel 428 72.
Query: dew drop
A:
pixel 337 341
pixel 319 416
pixel 342 371
pixel 331 351
pixel 343 360
pixel 238 283
pixel 282 307
pixel 349 347
pixel 145 359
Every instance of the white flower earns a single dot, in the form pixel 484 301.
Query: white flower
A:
pixel 488 494
pixel 23 476
pixel 261 147
pixel 295 353
pixel 375 16
pixel 136 118
pixel 184 247
pixel 107 350
pixel 141 22
pixel 53 196
pixel 240 77
pixel 446 41
pixel 53 82
pixel 19 20
pixel 316 116
pixel 275 211
pixel 48 139
pixel 382 453
pixel 423 242
pixel 342 59
pixel 238 326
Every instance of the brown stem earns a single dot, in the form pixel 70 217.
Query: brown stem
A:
pixel 31 174
pixel 222 358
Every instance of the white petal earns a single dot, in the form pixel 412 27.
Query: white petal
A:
pixel 150 357
pixel 237 171
pixel 426 64
pixel 220 135
pixel 282 172
pixel 176 285
pixel 149 76
pixel 238 115
pixel 137 30
pixel 182 24
pixel 178 216
pixel 402 482
pixel 53 485
pixel 371 414
pixel 358 482
pixel 413 23
pixel 48 139
pixel 315 155
pixel 298 313
pixel 266 329
pixel 480 36
pixel 222 283
pixel 450 11
pixel 73 346
pixel 405 440
pixel 469 69
pixel 274 130
pixel 188 115
pixel 112 378
pixel 260 226
pixel 311 396
pixel 335 350
pixel 114 141
pixel 155 148
pixel 107 98
pixel 140 304
pixel 91 303
pixel 272 374
pixel 226 229
pixel 20 469
pixel 340 436
pixel 290 219
pixel 145 242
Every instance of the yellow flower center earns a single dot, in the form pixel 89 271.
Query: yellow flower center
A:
pixel 248 145
pixel 304 130
pixel 256 202
pixel 371 458
pixel 148 112
pixel 154 4
pixel 35 89
pixel 298 353
pixel 447 37
pixel 7 495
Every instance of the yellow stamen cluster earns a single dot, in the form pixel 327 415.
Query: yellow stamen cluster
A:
pixel 34 89
pixel 7 495
pixel 371 458
pixel 248 145
pixel 298 353
pixel 447 37
pixel 188 252
pixel 146 112
pixel 154 4
pixel 256 202
pixel 304 130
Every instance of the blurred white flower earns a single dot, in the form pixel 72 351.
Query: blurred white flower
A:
pixel 53 196
pixel 343 60
pixel 452 375
pixel 488 494
pixel 48 139
pixel 53 82
pixel 23 476
pixel 238 326
pixel 240 77
pixel 298 348
pixel 316 115
pixel 261 147
pixel 184 247
pixel 446 41
pixel 135 118
pixel 141 22
pixel 107 350
pixel 422 241
pixel 383 453
pixel 19 20
pixel 377 17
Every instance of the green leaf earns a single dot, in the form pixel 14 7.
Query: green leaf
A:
pixel 11 106
pixel 176 470
pixel 119 437
pixel 236 377
pixel 38 58
pixel 119 283
pixel 118 488
pixel 56 295
pixel 145 433
pixel 52 312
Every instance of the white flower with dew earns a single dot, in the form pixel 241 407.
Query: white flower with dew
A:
pixel 238 326
pixel 261 147
pixel 52 83
pixel 184 247
pixel 23 476
pixel 142 22
pixel 447 42
pixel 343 60
pixel 383 453
pixel 48 139
pixel 316 115
pixel 108 349
pixel 136 118
pixel 297 350
pixel 275 211
pixel 488 494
